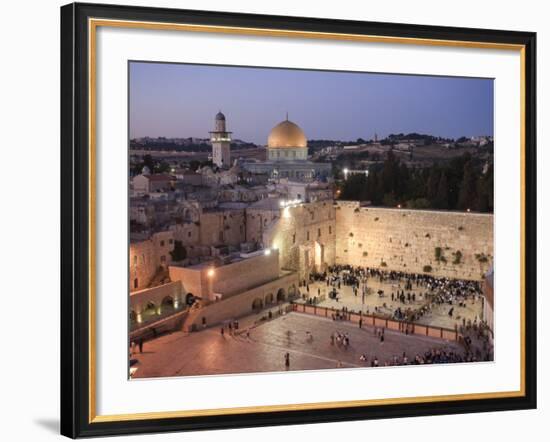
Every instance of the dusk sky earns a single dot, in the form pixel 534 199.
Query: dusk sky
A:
pixel 178 100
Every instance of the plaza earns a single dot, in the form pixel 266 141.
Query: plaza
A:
pixel 383 305
pixel 263 348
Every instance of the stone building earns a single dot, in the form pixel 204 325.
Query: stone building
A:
pixel 145 183
pixel 308 192
pixel 149 258
pixel 222 226
pixel 242 283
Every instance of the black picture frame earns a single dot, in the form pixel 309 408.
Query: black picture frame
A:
pixel 75 221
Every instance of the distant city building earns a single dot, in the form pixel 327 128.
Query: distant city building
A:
pixel 305 192
pixel 221 142
pixel 147 183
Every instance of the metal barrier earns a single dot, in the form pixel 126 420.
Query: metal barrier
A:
pixel 378 321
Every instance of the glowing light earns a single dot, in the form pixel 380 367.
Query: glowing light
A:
pixel 468 210
pixel 290 203
pixel 399 206
pixel 286 212
pixel 267 252
pixel 210 273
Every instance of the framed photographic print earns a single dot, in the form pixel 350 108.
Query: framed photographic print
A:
pixel 279 220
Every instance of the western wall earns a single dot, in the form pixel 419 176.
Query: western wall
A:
pixel 439 243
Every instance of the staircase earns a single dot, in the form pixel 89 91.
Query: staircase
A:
pixel 190 322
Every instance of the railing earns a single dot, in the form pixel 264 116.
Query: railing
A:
pixel 162 325
pixel 377 321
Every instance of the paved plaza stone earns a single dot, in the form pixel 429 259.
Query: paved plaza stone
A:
pixel 438 317
pixel 208 352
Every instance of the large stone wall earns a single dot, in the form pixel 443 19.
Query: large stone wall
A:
pixel 157 295
pixel 259 221
pixel 305 237
pixel 229 279
pixel 244 303
pixel 406 240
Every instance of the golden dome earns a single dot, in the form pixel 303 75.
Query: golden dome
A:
pixel 286 135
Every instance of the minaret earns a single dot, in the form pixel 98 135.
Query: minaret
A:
pixel 221 141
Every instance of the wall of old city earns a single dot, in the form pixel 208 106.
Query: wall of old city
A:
pixel 244 303
pixel 157 295
pixel 228 279
pixel 299 233
pixel 406 240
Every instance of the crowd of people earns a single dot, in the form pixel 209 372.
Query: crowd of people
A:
pixel 418 295
pixel 435 355
pixel 432 356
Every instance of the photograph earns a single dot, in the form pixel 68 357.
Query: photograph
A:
pixel 277 220
pixel 298 219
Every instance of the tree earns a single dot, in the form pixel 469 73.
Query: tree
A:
pixel 484 201
pixel 355 187
pixel 419 203
pixel 179 253
pixel 467 195
pixel 149 162
pixel 389 200
pixel 441 200
pixel 162 167
pixel 432 184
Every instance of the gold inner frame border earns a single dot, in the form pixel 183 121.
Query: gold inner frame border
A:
pixel 93 24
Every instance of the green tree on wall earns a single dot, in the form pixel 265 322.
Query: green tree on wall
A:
pixel 179 253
